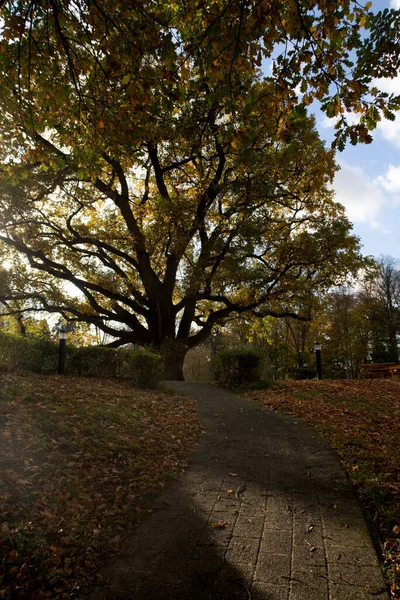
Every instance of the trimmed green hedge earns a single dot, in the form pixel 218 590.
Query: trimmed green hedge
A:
pixel 238 367
pixel 144 369
pixel 31 354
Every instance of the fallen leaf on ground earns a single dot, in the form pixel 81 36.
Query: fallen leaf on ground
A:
pixel 220 525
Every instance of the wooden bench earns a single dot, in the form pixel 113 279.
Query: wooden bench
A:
pixel 394 372
pixel 379 370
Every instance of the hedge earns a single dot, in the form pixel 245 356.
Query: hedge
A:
pixel 30 354
pixel 144 369
pixel 238 367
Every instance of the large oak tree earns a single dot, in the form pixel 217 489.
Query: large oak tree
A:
pixel 147 162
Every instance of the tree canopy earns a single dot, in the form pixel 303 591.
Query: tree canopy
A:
pixel 148 161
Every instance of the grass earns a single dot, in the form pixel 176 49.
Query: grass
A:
pixel 361 420
pixel 80 459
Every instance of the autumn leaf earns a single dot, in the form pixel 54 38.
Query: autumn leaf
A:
pixel 219 525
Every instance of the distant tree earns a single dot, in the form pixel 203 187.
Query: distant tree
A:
pixel 381 294
pixel 345 328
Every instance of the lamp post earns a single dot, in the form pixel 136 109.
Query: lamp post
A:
pixel 62 350
pixel 317 348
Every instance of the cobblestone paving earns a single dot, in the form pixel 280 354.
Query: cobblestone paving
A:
pixel 264 512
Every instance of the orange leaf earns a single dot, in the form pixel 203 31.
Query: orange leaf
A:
pixel 220 525
pixel 116 539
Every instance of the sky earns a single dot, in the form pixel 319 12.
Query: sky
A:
pixel 368 183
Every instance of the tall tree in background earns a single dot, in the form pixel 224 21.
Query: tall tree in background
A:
pixel 345 328
pixel 381 296
pixel 148 164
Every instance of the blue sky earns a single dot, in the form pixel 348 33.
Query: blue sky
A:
pixel 368 184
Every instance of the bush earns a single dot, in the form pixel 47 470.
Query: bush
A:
pixel 143 368
pixel 91 361
pixel 262 384
pixel 146 369
pixel 304 373
pixel 238 367
pixel 35 355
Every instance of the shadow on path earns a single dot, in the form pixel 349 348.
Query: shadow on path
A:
pixel 265 512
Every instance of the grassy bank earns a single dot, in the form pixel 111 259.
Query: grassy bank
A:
pixel 80 459
pixel 361 419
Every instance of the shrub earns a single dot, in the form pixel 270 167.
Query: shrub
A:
pixel 304 373
pixel 35 355
pixel 143 368
pixel 238 367
pixel 91 361
pixel 262 384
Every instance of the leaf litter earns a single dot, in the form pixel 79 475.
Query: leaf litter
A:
pixel 80 461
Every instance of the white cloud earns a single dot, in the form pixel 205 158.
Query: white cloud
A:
pixel 352 119
pixel 387 84
pixel 362 196
pixel 390 130
pixel 365 198
pixel 395 4
pixel 391 181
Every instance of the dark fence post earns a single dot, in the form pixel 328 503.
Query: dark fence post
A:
pixel 317 349
pixel 62 350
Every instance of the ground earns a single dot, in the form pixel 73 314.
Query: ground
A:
pixel 80 459
pixel 361 420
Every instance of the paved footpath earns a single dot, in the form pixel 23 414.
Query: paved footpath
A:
pixel 264 512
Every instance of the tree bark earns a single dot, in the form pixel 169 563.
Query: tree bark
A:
pixel 173 370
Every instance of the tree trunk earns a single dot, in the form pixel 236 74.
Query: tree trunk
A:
pixel 173 369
